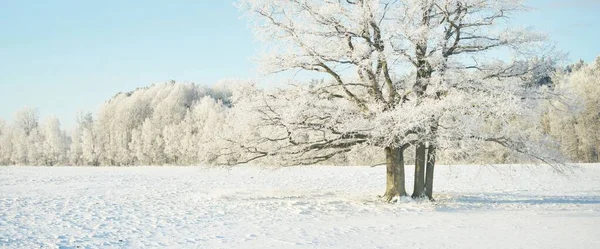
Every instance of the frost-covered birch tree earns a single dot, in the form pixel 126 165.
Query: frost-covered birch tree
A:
pixel 439 75
pixel 81 149
pixel 5 143
pixel 25 137
pixel 55 143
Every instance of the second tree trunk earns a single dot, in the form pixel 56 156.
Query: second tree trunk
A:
pixel 429 175
pixel 420 157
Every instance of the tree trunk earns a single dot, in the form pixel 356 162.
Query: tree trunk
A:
pixel 430 168
pixel 419 189
pixel 394 160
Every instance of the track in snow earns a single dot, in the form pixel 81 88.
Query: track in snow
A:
pixel 299 207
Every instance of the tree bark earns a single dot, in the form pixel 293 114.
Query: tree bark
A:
pixel 429 174
pixel 420 157
pixel 395 185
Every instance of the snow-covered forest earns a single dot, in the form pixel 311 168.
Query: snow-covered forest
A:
pixel 189 124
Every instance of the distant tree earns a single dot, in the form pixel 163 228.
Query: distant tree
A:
pixel 90 149
pixel 34 145
pixel 55 142
pixel 26 120
pixel 84 121
pixel 25 138
pixel 6 146
pixel 153 143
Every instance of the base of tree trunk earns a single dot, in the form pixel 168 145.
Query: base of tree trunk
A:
pixel 394 188
pixel 422 198
pixel 392 196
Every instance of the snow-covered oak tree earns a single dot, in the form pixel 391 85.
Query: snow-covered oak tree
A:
pixel 433 74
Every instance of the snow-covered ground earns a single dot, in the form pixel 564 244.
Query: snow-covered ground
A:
pixel 299 207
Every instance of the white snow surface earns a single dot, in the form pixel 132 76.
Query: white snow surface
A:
pixel 499 206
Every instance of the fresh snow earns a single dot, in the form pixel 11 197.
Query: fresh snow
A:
pixel 298 207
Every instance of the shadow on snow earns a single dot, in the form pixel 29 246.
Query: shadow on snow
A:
pixel 510 201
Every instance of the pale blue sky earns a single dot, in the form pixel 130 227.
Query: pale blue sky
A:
pixel 63 56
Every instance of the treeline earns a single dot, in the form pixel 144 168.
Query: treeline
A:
pixel 188 124
pixel 171 123
pixel 574 121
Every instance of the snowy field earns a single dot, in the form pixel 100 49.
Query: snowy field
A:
pixel 299 207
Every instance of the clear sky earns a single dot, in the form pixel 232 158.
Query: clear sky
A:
pixel 64 56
